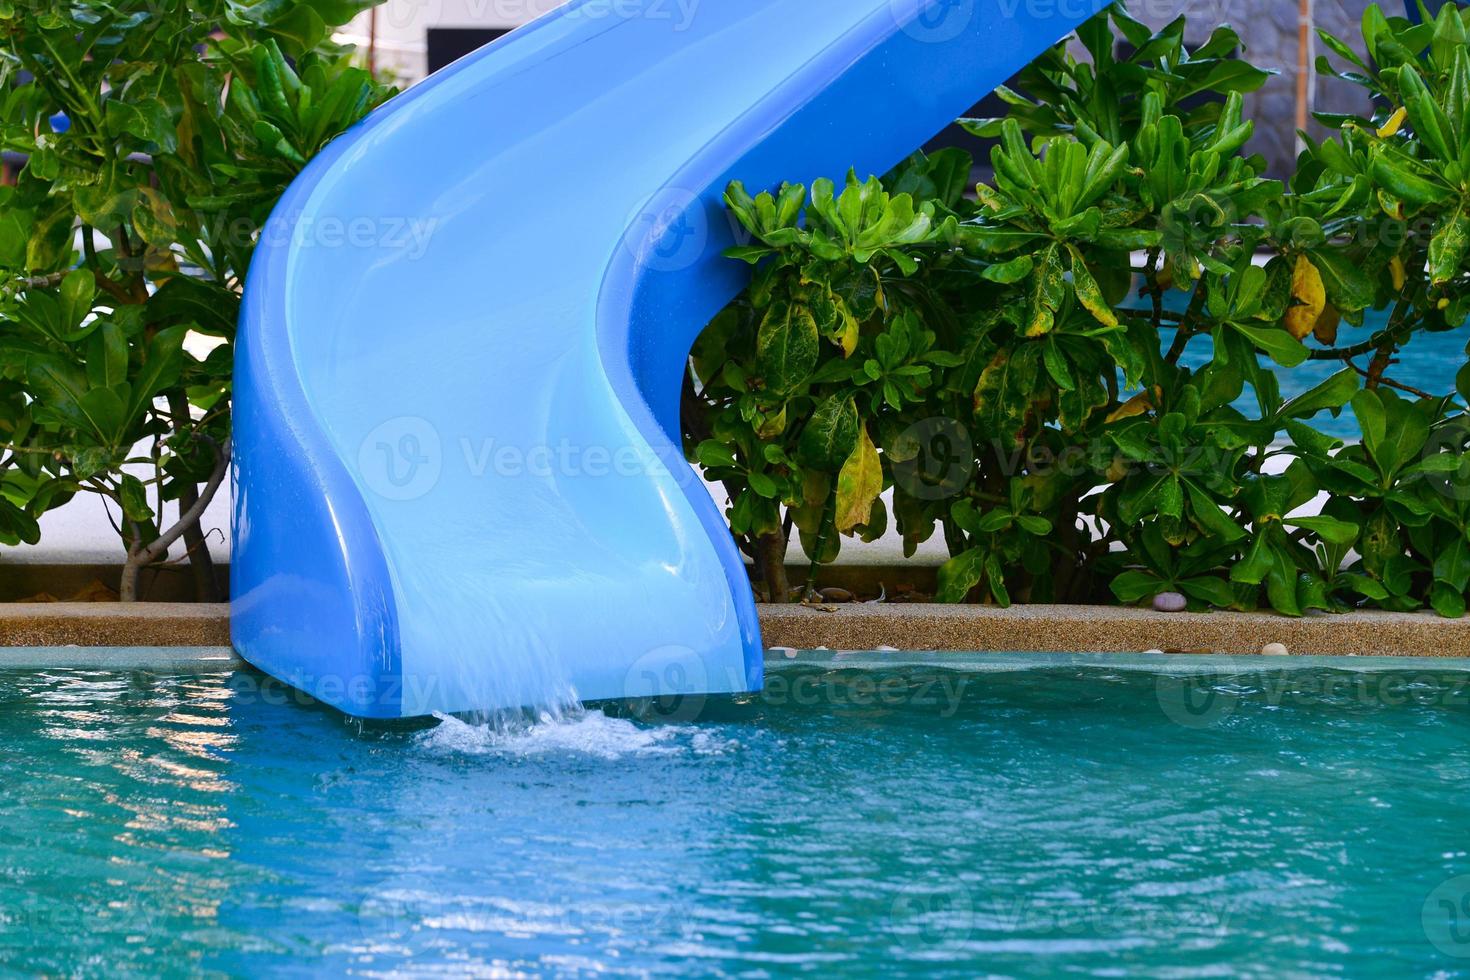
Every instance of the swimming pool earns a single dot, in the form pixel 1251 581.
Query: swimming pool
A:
pixel 1096 816
pixel 1430 361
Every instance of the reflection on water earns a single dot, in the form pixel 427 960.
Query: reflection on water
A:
pixel 1067 818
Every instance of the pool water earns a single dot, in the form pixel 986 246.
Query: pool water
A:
pixel 1430 361
pixel 1132 817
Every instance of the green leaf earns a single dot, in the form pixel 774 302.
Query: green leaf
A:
pixel 1365 586
pixel 302 29
pixel 1056 366
pixel 787 346
pixel 1374 28
pixel 148 120
pixel 1332 393
pixel 1329 529
pixel 1395 176
pixel 1208 589
pixel 107 356
pixel 1348 286
pixel 1032 524
pixel 1281 346
pixel 1342 50
pixel 763 485
pixel 995 579
pixel 59 387
pixel 959 575
pixel 1371 417
pixel 830 434
pixel 1430 123
pixel 134 499
pixel 714 455
pixel 162 362
pixel 103 205
pixel 107 411
pixel 1009 272
pixel 1209 515
pixel 985 240
pixel 1252 569
pixel 1446 601
pixel 1171 498
pixel 1282 584
pixel 1452 564
pixel 995 521
pixel 78 290
pixel 1134 586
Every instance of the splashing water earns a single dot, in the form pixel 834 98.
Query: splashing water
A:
pixel 570 730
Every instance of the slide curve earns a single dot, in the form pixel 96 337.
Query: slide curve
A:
pixel 458 481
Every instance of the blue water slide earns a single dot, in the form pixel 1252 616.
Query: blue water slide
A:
pixel 458 480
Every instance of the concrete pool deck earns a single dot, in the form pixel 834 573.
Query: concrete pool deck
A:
pixel 851 626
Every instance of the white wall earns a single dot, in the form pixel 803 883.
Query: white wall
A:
pixel 403 25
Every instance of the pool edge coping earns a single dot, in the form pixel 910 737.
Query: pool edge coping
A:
pixel 168 629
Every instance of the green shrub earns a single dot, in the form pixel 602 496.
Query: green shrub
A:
pixel 1010 368
pixel 131 226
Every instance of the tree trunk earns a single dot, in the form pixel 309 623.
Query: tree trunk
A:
pixel 770 550
pixel 139 557
pixel 201 562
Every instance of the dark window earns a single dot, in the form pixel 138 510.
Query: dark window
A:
pixel 448 44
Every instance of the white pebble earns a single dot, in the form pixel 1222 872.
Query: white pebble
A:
pixel 788 652
pixel 1275 650
pixel 1149 652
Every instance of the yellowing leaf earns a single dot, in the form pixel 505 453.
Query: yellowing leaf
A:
pixel 849 337
pixel 1448 247
pixel 1400 275
pixel 1137 405
pixel 1165 278
pixel 1325 329
pixel 1394 124
pixel 771 425
pixel 858 484
pixel 1308 298
pixel 1047 289
pixel 1089 294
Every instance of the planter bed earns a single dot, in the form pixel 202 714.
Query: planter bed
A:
pixel 1109 629
pixel 856 626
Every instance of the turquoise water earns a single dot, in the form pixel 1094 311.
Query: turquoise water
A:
pixel 1067 818
pixel 1429 362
